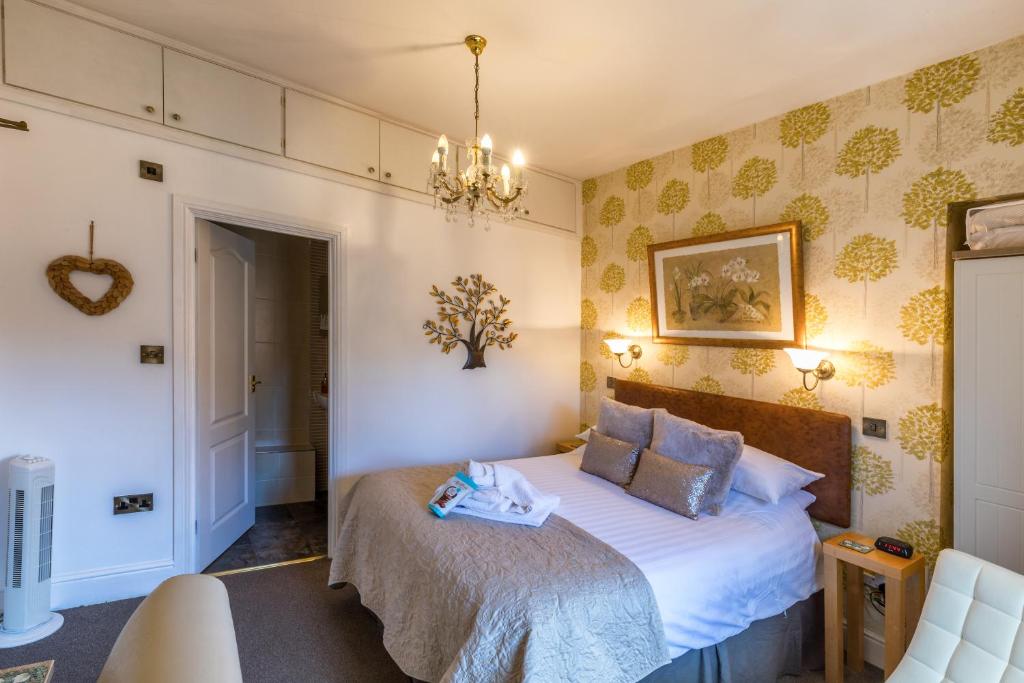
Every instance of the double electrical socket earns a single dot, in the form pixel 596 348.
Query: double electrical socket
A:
pixel 136 502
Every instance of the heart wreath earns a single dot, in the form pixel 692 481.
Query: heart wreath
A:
pixel 58 273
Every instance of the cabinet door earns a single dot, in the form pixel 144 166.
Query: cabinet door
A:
pixel 222 103
pixel 405 156
pixel 551 201
pixel 59 54
pixel 330 135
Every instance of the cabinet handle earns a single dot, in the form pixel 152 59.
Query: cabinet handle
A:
pixel 150 108
pixel 388 174
pixel 371 170
pixel 176 117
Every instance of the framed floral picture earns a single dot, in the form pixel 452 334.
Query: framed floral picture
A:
pixel 740 288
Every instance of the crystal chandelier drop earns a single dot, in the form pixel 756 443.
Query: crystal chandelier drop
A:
pixel 480 185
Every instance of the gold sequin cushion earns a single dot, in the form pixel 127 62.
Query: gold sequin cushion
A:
pixel 610 459
pixel 673 485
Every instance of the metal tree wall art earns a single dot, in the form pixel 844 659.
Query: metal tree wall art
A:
pixel 484 316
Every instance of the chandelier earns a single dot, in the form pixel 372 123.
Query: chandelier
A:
pixel 481 185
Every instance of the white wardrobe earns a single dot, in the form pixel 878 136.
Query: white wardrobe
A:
pixel 988 419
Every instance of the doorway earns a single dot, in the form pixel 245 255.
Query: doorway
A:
pixel 257 384
pixel 289 388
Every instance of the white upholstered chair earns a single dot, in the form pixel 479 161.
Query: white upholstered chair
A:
pixel 182 632
pixel 970 629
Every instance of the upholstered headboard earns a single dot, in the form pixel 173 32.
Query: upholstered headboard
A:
pixel 813 439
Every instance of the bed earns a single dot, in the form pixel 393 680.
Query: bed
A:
pixel 611 588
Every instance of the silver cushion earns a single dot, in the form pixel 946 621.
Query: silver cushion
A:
pixel 695 444
pixel 673 485
pixel 625 422
pixel 610 459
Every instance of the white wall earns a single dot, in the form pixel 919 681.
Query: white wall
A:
pixel 72 389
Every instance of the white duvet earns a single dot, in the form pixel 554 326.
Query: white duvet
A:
pixel 711 577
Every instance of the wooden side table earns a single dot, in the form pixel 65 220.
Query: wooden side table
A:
pixel 568 445
pixel 904 593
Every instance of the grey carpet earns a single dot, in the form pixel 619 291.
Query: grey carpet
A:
pixel 289 625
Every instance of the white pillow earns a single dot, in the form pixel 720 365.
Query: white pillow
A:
pixel 585 434
pixel 803 498
pixel 769 477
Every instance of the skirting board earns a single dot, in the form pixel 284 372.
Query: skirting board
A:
pixel 874 648
pixel 108 584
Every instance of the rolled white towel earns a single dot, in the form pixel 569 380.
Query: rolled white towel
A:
pixel 498 482
pixel 505 495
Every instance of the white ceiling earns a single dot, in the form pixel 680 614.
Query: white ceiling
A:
pixel 583 87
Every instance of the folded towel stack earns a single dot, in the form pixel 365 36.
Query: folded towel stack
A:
pixel 505 495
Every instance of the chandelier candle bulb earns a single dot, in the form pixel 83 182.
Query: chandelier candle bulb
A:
pixel 518 161
pixel 505 175
pixel 442 152
pixel 486 146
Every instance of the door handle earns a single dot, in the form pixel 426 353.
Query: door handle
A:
pixel 253 382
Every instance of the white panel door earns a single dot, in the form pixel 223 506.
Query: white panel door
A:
pixel 226 450
pixel 222 103
pixel 551 201
pixel 989 409
pixel 405 156
pixel 326 134
pixel 53 52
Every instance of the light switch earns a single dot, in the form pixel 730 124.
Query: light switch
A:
pixel 873 426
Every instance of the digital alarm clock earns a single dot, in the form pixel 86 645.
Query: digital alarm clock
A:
pixel 894 546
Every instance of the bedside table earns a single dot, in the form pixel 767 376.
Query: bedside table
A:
pixel 569 445
pixel 904 594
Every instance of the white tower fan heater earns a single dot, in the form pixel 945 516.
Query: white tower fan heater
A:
pixel 27 616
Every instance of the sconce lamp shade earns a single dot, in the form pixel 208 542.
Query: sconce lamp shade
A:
pixel 617 346
pixel 806 360
pixel 623 347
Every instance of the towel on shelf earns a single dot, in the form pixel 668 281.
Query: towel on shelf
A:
pixel 505 495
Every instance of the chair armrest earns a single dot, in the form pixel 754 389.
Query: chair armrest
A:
pixel 182 632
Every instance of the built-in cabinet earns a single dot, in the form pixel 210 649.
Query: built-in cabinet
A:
pixel 988 409
pixel 551 201
pixel 222 103
pixel 329 135
pixel 61 54
pixel 405 156
pixel 56 53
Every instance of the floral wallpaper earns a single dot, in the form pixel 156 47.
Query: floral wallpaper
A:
pixel 869 175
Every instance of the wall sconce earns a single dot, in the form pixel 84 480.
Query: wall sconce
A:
pixel 811 362
pixel 620 347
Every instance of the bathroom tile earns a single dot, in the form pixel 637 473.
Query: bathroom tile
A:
pixel 265 362
pixel 267 274
pixel 264 320
pixel 265 411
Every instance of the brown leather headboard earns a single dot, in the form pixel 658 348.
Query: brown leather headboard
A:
pixel 813 439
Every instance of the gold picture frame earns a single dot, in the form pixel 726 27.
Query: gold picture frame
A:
pixel 743 288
